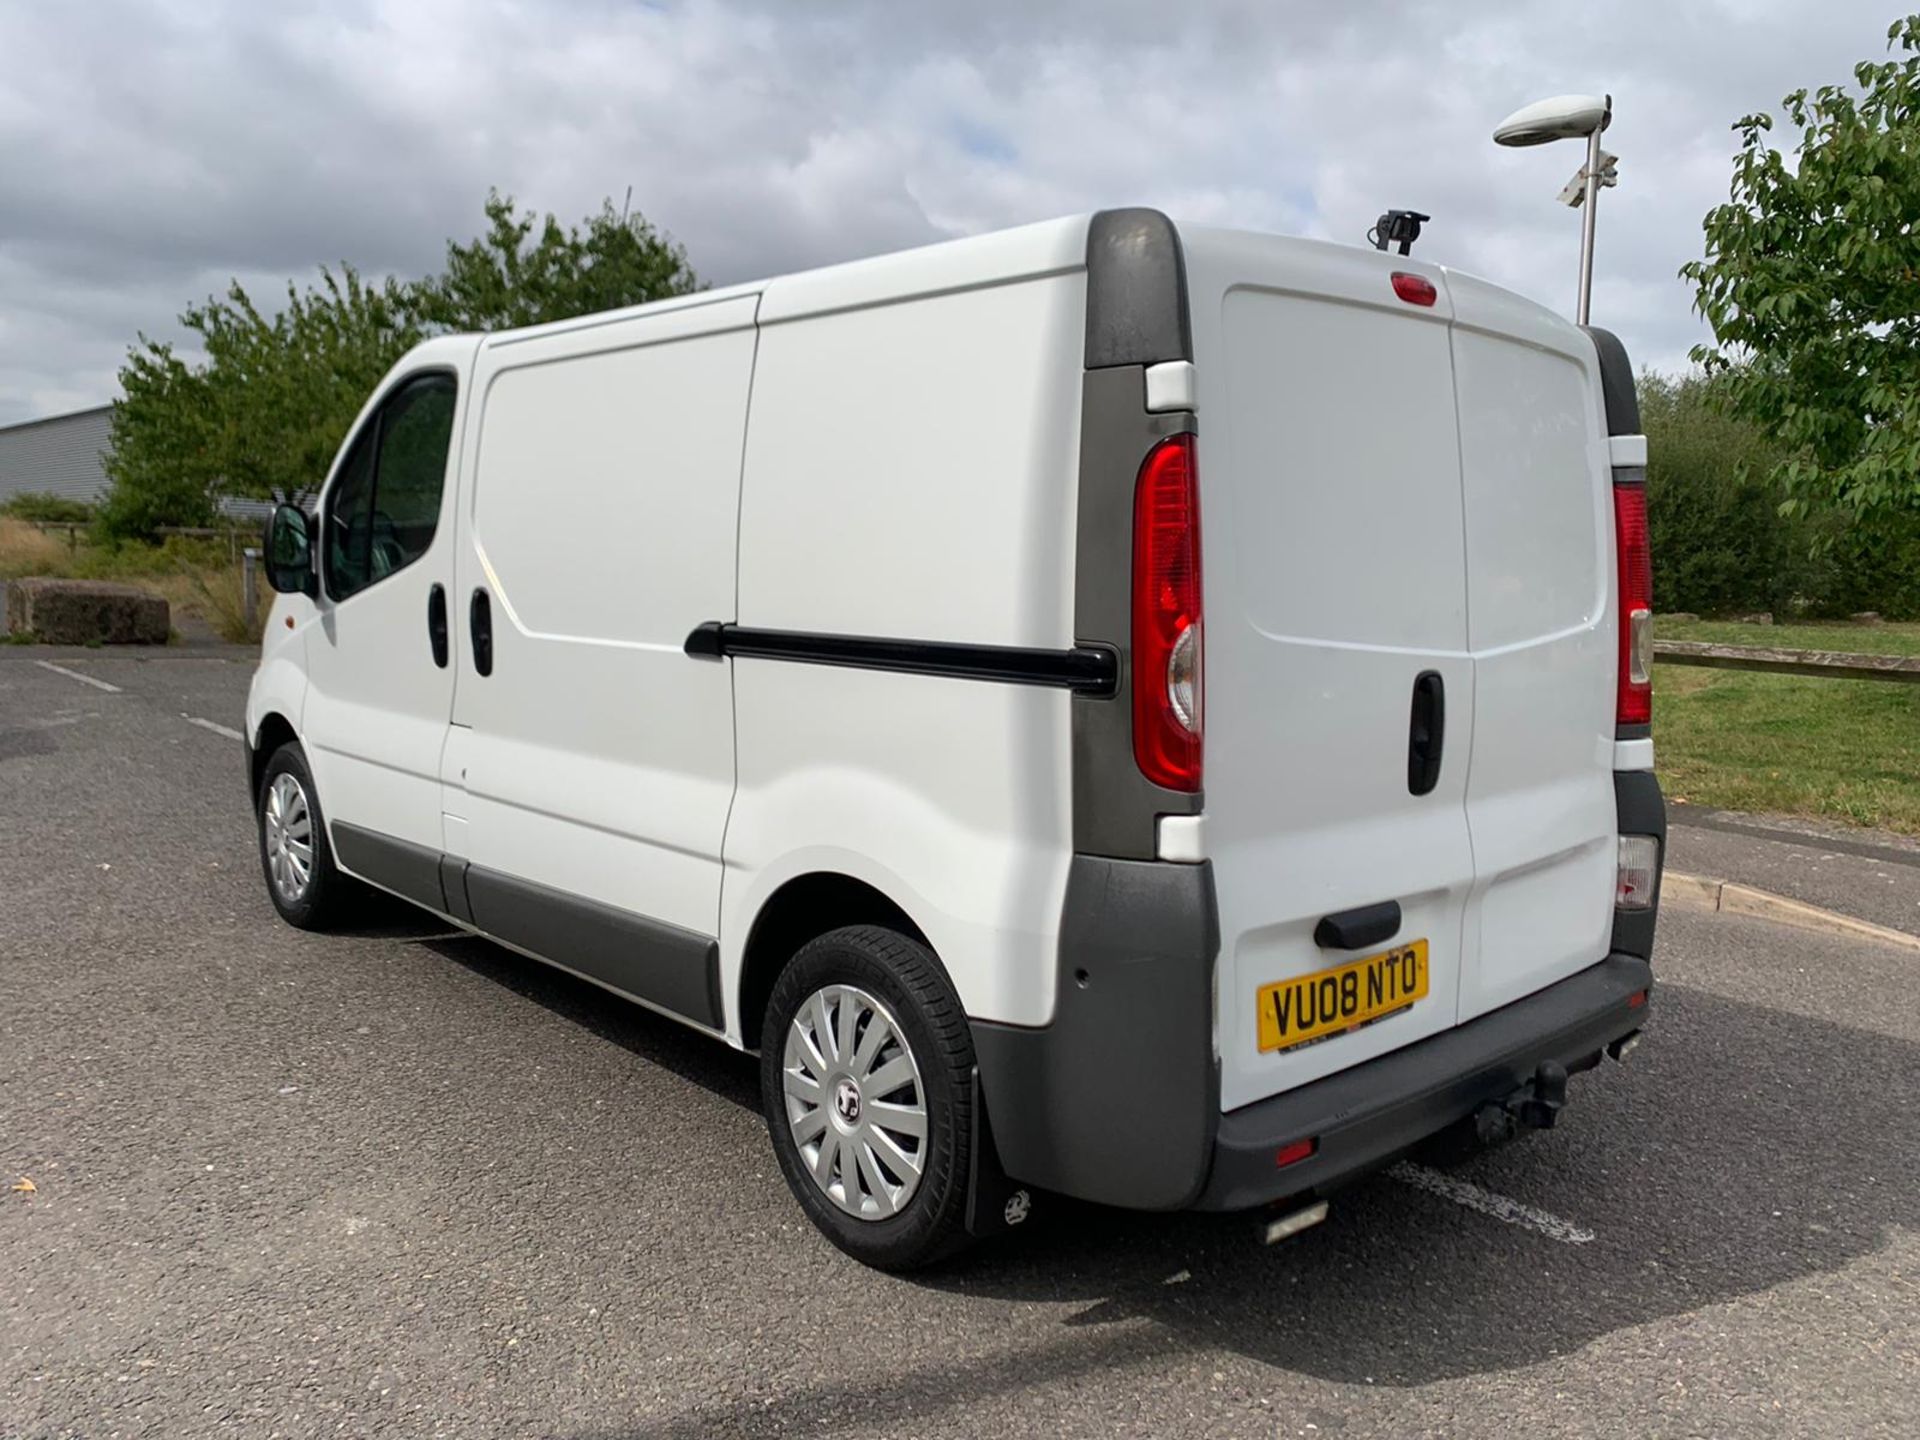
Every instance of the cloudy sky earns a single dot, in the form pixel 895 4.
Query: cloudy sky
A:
pixel 149 151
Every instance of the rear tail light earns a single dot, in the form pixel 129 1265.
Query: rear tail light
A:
pixel 1634 704
pixel 1639 869
pixel 1168 650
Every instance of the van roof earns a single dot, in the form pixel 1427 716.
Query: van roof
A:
pixel 1026 252
pixel 1050 247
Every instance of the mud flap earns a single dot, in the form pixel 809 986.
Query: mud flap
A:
pixel 994 1203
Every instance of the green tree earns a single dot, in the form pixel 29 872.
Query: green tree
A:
pixel 1811 282
pixel 261 418
pixel 263 414
pixel 510 277
pixel 161 461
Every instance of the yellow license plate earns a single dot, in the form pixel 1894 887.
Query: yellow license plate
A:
pixel 1332 1002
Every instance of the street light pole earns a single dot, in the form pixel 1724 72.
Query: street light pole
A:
pixel 1570 117
pixel 1591 207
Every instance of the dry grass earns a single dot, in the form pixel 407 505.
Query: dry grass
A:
pixel 27 550
pixel 217 595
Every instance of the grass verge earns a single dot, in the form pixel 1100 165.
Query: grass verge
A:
pixel 1787 744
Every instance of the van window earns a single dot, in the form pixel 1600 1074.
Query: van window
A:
pixel 349 513
pixel 386 503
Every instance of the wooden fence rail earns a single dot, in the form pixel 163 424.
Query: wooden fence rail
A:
pixel 1832 664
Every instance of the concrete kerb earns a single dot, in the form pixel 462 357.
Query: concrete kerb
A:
pixel 1701 892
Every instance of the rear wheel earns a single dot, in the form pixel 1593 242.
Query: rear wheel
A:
pixel 866 1067
pixel 302 880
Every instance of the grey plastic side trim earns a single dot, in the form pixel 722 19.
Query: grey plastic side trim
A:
pixel 1616 382
pixel 1117 1099
pixel 398 865
pixel 1136 290
pixel 676 969
pixel 1115 807
pixel 1642 811
pixel 453 885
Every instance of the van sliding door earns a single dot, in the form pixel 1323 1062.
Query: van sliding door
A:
pixel 592 763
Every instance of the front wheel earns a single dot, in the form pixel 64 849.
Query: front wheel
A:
pixel 866 1066
pixel 302 880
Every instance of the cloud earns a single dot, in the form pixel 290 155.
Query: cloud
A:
pixel 150 151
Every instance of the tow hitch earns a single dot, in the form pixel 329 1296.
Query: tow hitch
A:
pixel 1535 1105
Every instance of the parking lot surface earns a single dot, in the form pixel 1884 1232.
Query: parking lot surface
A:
pixel 400 1182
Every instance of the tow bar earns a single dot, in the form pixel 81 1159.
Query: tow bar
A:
pixel 1535 1105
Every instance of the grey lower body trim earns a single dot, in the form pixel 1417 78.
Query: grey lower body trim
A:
pixel 407 869
pixel 1642 811
pixel 677 970
pixel 1116 1101
pixel 662 964
pixel 453 885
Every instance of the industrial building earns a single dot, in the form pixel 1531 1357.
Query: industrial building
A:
pixel 59 455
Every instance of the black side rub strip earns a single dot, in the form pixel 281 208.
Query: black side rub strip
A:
pixel 1085 669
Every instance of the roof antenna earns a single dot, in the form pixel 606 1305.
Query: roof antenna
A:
pixel 1401 226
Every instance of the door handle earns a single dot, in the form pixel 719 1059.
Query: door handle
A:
pixel 480 623
pixel 437 623
pixel 1426 732
pixel 1357 929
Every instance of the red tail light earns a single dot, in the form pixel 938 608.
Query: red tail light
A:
pixel 1635 695
pixel 1167 679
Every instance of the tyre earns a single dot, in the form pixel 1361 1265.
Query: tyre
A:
pixel 302 880
pixel 866 1077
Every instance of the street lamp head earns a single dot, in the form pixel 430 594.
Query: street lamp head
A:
pixel 1564 117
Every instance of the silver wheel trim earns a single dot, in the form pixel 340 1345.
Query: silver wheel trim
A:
pixel 855 1102
pixel 286 821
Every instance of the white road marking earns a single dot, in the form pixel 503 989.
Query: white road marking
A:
pixel 76 675
pixel 217 728
pixel 1486 1202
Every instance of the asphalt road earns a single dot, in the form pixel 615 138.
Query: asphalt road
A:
pixel 397 1183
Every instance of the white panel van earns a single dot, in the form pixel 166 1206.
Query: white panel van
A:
pixel 1150 714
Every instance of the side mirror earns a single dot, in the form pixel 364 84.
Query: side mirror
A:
pixel 290 552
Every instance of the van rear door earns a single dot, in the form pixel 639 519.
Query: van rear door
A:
pixel 1537 498
pixel 1336 599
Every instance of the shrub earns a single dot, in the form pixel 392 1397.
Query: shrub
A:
pixel 48 509
pixel 1720 544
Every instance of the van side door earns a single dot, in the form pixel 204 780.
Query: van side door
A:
pixel 595 759
pixel 380 686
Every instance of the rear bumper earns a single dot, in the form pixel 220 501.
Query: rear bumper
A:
pixel 1117 1100
pixel 1365 1116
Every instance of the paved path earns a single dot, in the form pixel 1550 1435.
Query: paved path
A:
pixel 395 1183
pixel 1868 874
